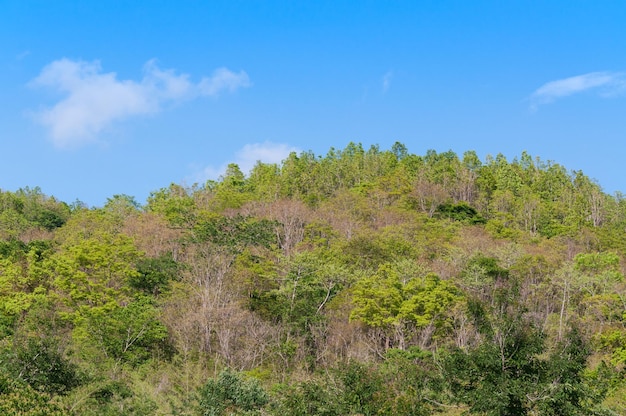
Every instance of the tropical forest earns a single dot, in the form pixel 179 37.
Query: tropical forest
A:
pixel 360 282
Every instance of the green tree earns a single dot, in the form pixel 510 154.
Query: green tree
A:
pixel 17 398
pixel 400 299
pixel 23 278
pixel 29 209
pixel 497 379
pixel 231 394
pixel 175 203
pixel 41 364
pixel 231 190
pixel 154 275
pixel 264 182
pixel 235 233
pixel 95 271
pixel 128 334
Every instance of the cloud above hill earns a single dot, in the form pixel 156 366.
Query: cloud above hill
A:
pixel 603 83
pixel 246 158
pixel 92 100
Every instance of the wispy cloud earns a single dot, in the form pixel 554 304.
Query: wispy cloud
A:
pixel 22 55
pixel 93 100
pixel 223 79
pixel 387 78
pixel 604 83
pixel 246 158
pixel 266 152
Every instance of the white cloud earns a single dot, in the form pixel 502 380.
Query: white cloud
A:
pixel 93 100
pixel 266 152
pixel 606 83
pixel 387 81
pixel 224 79
pixel 165 84
pixel 246 158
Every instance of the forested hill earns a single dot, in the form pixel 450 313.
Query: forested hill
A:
pixel 362 282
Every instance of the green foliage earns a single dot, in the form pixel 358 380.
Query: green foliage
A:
pixel 230 192
pixel 375 253
pixel 12 248
pixel 126 334
pixel 310 284
pixel 121 206
pixel 257 278
pixel 460 212
pixel 111 398
pixel 95 271
pixel 231 394
pixel 41 364
pixel 23 279
pixel 362 386
pixel 154 275
pixel 378 299
pixel 236 232
pixel 30 209
pixel 310 397
pixel 513 374
pixel 174 203
pixel 399 150
pixel 481 273
pixel 602 268
pixel 567 390
pixel 427 302
pixel 264 181
pixel 369 249
pixel 17 398
pixel 400 297
pixel 412 383
pixel 614 341
pixel 497 379
pixel 399 385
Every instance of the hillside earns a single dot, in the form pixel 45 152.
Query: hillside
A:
pixel 374 282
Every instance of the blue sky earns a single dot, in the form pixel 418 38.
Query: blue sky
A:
pixel 125 97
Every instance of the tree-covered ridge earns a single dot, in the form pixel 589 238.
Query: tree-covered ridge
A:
pixel 372 282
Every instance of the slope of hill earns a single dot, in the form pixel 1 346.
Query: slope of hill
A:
pixel 373 282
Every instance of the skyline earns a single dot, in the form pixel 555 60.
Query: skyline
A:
pixel 113 98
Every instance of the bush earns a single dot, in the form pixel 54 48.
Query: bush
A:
pixel 231 394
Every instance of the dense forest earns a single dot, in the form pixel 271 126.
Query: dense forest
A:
pixel 362 282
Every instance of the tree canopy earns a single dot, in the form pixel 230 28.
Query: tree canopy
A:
pixel 362 281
